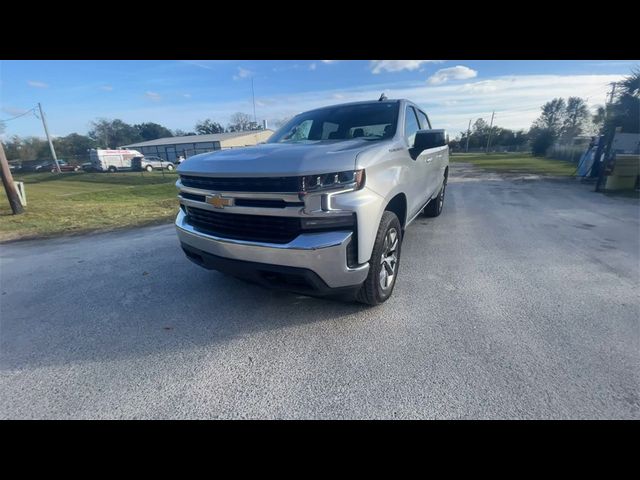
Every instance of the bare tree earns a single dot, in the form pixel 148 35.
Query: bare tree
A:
pixel 240 122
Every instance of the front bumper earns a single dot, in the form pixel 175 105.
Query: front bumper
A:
pixel 323 253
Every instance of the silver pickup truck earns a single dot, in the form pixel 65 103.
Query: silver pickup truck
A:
pixel 321 208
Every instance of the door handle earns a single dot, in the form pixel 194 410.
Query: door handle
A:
pixel 429 159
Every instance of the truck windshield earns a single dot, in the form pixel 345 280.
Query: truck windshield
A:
pixel 370 121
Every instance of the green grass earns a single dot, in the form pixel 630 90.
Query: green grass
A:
pixel 72 203
pixel 517 163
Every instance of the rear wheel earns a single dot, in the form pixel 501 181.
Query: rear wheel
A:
pixel 384 263
pixel 112 169
pixel 434 207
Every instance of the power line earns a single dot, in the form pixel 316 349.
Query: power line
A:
pixel 32 110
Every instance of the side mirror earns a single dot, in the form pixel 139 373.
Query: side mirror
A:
pixel 426 139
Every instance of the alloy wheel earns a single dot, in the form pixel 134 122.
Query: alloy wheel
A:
pixel 389 259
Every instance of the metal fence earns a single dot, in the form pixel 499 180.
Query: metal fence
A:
pixel 492 149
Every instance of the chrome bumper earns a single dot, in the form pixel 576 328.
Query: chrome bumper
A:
pixel 323 253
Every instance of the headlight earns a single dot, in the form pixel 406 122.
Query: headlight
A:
pixel 333 181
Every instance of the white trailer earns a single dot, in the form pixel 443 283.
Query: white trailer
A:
pixel 112 160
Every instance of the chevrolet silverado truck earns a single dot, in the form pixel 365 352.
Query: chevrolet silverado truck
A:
pixel 322 206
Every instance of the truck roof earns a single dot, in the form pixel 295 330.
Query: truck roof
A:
pixel 362 102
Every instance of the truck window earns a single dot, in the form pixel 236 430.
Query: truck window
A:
pixel 371 121
pixel 424 120
pixel 328 128
pixel 411 125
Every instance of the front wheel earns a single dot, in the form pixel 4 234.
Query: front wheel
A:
pixel 112 169
pixel 170 167
pixel 149 168
pixel 384 263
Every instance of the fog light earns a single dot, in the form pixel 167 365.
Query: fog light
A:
pixel 328 222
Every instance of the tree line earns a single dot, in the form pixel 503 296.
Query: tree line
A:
pixel 105 133
pixel 562 120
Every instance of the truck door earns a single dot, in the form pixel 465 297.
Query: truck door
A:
pixel 419 188
pixel 434 160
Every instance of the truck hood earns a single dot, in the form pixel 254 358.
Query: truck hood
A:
pixel 280 159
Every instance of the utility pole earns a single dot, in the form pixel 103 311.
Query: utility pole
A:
pixel 9 186
pixel 490 132
pixel 468 135
pixel 46 130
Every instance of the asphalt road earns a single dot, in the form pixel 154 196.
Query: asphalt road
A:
pixel 520 301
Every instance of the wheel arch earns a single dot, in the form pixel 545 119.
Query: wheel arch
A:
pixel 398 205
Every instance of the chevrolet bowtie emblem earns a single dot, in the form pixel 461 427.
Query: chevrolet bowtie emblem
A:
pixel 218 201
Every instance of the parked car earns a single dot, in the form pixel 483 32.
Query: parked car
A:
pixel 65 167
pixel 36 165
pixel 149 163
pixel 322 206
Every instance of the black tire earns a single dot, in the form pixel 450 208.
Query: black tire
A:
pixel 112 169
pixel 434 207
pixel 149 168
pixel 372 291
pixel 170 167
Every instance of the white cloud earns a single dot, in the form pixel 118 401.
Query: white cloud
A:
pixel 378 66
pixel 153 96
pixel 37 84
pixel 242 73
pixel 106 88
pixel 186 95
pixel 328 61
pixel 459 72
pixel 312 66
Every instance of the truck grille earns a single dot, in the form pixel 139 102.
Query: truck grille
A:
pixel 257 228
pixel 244 184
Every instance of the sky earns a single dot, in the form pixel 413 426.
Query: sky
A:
pixel 177 93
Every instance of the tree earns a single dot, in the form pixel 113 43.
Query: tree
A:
pixel 27 148
pixel 12 148
pixel 240 122
pixel 152 131
pixel 625 110
pixel 598 119
pixel 541 140
pixel 552 117
pixel 113 133
pixel 520 137
pixel 576 118
pixel 73 146
pixel 181 133
pixel 207 127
